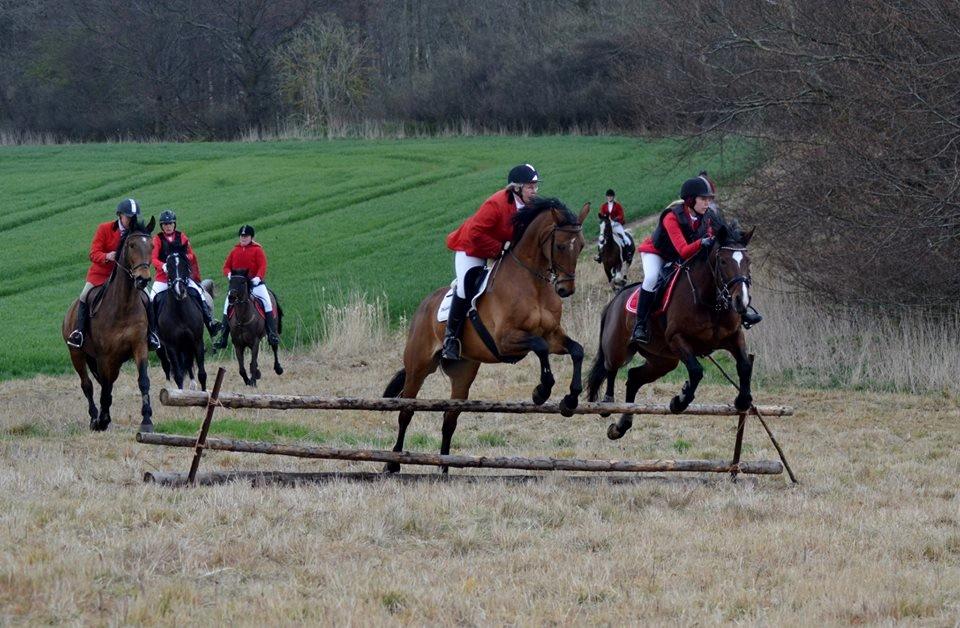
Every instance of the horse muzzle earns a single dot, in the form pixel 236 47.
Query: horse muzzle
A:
pixel 141 282
pixel 566 288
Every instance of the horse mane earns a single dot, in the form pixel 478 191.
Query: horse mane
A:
pixel 730 233
pixel 524 217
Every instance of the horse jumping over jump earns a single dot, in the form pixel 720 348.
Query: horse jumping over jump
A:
pixel 118 328
pixel 521 309
pixel 704 314
pixel 615 258
pixel 247 326
pixel 180 324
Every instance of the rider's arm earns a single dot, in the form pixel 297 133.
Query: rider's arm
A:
pixel 618 213
pixel 155 258
pixel 227 264
pixel 485 230
pixel 192 258
pixel 261 271
pixel 684 248
pixel 99 248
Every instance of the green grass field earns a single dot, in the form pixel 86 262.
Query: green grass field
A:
pixel 333 216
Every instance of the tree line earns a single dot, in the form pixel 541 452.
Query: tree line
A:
pixel 855 103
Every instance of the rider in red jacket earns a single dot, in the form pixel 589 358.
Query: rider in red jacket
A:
pixel 171 240
pixel 614 211
pixel 248 255
pixel 481 236
pixel 103 259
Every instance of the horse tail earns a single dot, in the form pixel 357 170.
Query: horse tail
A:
pixel 395 387
pixel 598 371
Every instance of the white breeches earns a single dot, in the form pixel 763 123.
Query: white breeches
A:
pixel 87 287
pixel 160 286
pixel 652 263
pixel 259 291
pixel 619 233
pixel 463 263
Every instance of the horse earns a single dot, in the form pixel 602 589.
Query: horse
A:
pixel 247 326
pixel 615 258
pixel 520 310
pixel 709 297
pixel 180 324
pixel 118 328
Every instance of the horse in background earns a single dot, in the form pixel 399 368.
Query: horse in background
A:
pixel 180 325
pixel 520 310
pixel 704 314
pixel 615 258
pixel 247 325
pixel 118 328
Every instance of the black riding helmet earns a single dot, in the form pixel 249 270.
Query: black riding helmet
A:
pixel 246 230
pixel 128 207
pixel 167 216
pixel 524 173
pixel 692 188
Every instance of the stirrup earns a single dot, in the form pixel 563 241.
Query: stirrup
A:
pixel 451 349
pixel 72 339
pixel 640 336
pixel 153 341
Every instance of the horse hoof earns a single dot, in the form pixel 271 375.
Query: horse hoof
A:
pixel 391 467
pixel 677 405
pixel 743 403
pixel 278 370
pixel 257 374
pixel 613 432
pixel 539 396
pixel 606 399
pixel 567 405
pixel 146 427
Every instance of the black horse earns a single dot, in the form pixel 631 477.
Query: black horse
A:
pixel 180 324
pixel 247 325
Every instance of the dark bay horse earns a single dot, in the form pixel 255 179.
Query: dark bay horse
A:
pixel 615 259
pixel 703 315
pixel 521 309
pixel 180 324
pixel 247 326
pixel 118 328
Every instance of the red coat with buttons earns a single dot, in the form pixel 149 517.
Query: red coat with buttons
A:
pixel 250 257
pixel 158 261
pixel 484 234
pixel 616 213
pixel 105 240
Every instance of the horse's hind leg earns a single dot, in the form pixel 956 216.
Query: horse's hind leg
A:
pixel 412 383
pixel 80 366
pixel 461 374
pixel 694 374
pixel 176 365
pixel 276 361
pixel 651 370
pixel 201 365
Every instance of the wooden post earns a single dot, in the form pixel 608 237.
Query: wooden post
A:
pixel 738 444
pixel 202 437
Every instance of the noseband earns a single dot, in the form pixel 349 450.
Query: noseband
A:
pixel 724 296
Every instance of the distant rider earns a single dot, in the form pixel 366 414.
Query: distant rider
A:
pixel 249 255
pixel 614 211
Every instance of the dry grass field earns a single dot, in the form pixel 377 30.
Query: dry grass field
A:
pixel 872 534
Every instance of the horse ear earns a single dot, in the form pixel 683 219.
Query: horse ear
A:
pixel 584 212
pixel 151 224
pixel 746 238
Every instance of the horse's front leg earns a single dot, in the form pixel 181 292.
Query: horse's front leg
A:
pixel 276 361
pixel 201 366
pixel 694 374
pixel 108 376
pixel 738 349
pixel 561 344
pixel 239 349
pixel 143 383
pixel 519 342
pixel 255 373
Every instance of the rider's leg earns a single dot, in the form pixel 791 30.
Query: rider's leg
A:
pixel 463 264
pixel 196 292
pixel 221 343
pixel 157 288
pixel 260 291
pixel 652 263
pixel 75 339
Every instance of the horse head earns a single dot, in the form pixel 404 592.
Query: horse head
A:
pixel 550 237
pixel 730 261
pixel 135 253
pixel 178 270
pixel 239 290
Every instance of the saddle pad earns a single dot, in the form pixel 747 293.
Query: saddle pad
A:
pixel 664 292
pixel 443 311
pixel 256 303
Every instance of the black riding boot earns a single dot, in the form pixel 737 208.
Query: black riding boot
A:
pixel 641 329
pixel 271 322
pixel 221 343
pixel 75 339
pixel 751 317
pixel 213 325
pixel 153 340
pixel 455 318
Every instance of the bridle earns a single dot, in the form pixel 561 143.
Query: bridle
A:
pixel 130 270
pixel 178 279
pixel 238 301
pixel 724 296
pixel 556 273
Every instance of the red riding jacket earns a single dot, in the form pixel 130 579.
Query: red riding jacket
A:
pixel 250 257
pixel 484 233
pixel 672 226
pixel 616 213
pixel 105 240
pixel 162 245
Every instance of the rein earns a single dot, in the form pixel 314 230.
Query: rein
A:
pixel 555 270
pixel 724 297
pixel 244 301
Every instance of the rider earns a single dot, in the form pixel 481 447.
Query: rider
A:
pixel 170 240
pixel 249 255
pixel 481 236
pixel 614 211
pixel 103 258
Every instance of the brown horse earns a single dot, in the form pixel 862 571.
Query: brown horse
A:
pixel 118 328
pixel 247 326
pixel 703 315
pixel 521 310
pixel 615 259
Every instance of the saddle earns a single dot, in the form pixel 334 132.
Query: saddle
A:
pixel 476 284
pixel 662 292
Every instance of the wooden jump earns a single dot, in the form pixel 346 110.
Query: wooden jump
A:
pixel 188 398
